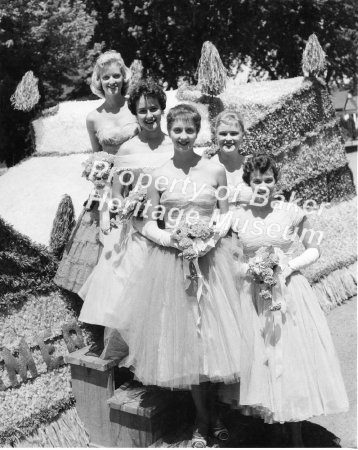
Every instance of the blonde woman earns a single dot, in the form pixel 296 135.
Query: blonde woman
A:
pixel 108 126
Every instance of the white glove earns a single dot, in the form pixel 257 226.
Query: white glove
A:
pixel 151 231
pixel 308 257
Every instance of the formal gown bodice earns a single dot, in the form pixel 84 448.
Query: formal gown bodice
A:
pixel 178 202
pixel 109 134
pixel 234 183
pixel 277 229
pixel 138 163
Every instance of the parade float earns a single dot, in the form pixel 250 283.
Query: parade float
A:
pixel 43 370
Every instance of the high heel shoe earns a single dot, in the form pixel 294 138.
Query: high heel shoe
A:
pixel 219 431
pixel 199 439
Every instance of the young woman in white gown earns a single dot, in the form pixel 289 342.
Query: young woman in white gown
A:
pixel 303 377
pixel 125 249
pixel 174 341
pixel 228 134
pixel 108 127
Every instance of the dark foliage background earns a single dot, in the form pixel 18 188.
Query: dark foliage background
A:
pixel 59 39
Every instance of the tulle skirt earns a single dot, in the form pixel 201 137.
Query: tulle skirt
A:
pixel 168 345
pixel 82 252
pixel 125 252
pixel 303 377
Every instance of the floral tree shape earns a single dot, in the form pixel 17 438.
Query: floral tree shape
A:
pixel 136 69
pixel 62 226
pixel 211 73
pixel 212 78
pixel 314 58
pixel 26 95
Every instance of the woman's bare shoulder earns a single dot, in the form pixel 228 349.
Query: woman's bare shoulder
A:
pixel 92 116
pixel 213 165
pixel 130 146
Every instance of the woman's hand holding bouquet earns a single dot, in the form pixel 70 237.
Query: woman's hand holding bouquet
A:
pixel 194 239
pixel 264 269
pixel 97 168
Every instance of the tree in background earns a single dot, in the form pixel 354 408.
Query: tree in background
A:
pixel 58 40
pixel 52 39
pixel 167 35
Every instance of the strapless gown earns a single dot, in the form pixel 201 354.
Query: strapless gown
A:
pixel 84 247
pixel 125 250
pixel 302 377
pixel 166 347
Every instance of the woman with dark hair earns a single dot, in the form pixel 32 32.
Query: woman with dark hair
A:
pixel 184 323
pixel 125 249
pixel 303 377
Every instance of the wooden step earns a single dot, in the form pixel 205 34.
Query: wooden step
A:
pixel 79 358
pixel 92 385
pixel 138 414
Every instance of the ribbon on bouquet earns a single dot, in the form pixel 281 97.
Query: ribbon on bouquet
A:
pixel 192 274
pixel 104 218
pixel 275 315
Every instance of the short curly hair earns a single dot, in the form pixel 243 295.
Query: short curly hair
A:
pixel 262 163
pixel 226 116
pixel 146 88
pixel 185 112
pixel 106 58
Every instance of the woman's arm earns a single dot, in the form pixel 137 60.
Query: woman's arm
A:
pixel 149 226
pixel 90 121
pixel 223 221
pixel 223 204
pixel 308 237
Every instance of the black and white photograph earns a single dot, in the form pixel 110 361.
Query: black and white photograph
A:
pixel 178 223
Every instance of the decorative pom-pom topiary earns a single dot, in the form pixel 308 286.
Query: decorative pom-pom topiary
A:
pixel 136 69
pixel 211 72
pixel 62 226
pixel 314 58
pixel 27 93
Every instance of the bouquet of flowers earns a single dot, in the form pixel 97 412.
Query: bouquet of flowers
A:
pixel 97 168
pixel 194 238
pixel 133 204
pixel 262 269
